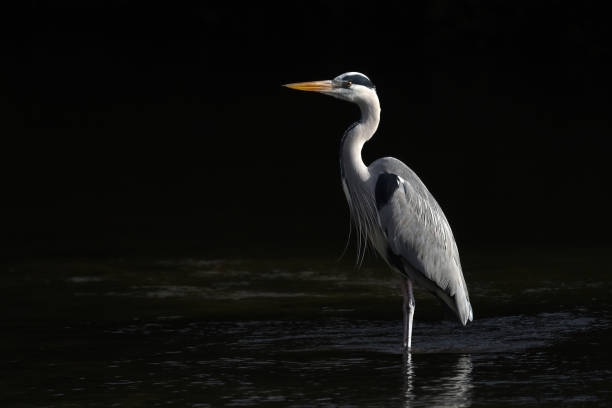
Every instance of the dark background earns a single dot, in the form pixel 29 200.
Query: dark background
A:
pixel 151 127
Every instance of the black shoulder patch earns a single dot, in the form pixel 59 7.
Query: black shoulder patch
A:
pixel 385 187
pixel 359 80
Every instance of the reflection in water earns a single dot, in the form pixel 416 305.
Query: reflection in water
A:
pixel 450 390
pixel 408 380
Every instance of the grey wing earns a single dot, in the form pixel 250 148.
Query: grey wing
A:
pixel 419 238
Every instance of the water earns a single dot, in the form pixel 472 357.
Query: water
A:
pixel 302 333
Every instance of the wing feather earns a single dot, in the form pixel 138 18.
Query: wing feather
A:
pixel 418 232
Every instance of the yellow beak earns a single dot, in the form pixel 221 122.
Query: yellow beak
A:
pixel 313 86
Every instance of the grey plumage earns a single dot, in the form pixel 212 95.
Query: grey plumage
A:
pixel 392 210
pixel 416 230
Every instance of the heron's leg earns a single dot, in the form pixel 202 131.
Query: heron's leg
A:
pixel 408 313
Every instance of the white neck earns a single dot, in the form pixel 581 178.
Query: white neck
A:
pixel 356 137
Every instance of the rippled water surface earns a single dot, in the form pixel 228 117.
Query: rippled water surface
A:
pixel 303 332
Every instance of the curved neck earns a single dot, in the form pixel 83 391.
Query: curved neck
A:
pixel 356 136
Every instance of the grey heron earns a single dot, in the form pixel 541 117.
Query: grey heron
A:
pixel 393 211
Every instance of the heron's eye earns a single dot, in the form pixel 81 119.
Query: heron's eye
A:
pixel 348 84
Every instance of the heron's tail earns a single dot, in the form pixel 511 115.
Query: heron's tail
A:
pixel 463 307
pixel 459 304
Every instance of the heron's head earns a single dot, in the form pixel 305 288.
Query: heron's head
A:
pixel 350 86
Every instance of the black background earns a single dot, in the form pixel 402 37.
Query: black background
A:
pixel 144 127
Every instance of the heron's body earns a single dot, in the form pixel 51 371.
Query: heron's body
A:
pixel 393 211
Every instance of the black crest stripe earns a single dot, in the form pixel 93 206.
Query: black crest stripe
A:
pixel 359 80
